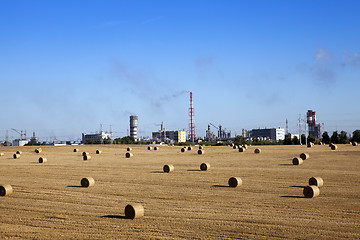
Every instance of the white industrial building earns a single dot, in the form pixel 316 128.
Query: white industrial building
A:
pixel 20 142
pixel 267 134
pixel 95 137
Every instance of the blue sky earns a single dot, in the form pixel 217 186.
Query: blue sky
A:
pixel 68 66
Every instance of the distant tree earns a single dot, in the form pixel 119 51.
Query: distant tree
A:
pixel 343 138
pixel 124 140
pixel 325 138
pixel 356 136
pixel 335 137
pixel 93 142
pixel 107 140
pixel 239 140
pixel 303 139
pixel 287 140
pixel 295 140
pixel 310 138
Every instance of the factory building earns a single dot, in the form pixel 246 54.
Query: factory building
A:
pixel 268 134
pixel 314 128
pixel 20 142
pixel 133 126
pixel 169 136
pixel 95 137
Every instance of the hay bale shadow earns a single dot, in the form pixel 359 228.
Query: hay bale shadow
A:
pixel 292 196
pixel 75 186
pixel 286 164
pixel 194 170
pixel 221 186
pixel 157 172
pixel 114 216
pixel 298 186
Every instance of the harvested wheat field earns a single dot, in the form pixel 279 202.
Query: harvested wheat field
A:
pixel 48 201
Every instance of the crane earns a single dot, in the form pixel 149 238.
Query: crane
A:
pixel 21 132
pixel 214 126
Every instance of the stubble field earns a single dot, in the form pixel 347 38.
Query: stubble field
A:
pixel 48 201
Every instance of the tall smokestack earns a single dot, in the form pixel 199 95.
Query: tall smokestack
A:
pixel 133 126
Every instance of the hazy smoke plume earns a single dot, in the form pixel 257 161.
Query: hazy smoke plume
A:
pixel 351 59
pixel 144 85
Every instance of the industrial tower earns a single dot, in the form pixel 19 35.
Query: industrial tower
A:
pixel 133 126
pixel 314 129
pixel 191 123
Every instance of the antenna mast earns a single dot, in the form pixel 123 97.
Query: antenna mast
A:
pixel 191 123
pixel 300 128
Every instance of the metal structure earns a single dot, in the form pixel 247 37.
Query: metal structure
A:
pixel 223 134
pixel 300 128
pixel 21 132
pixel 133 126
pixel 192 135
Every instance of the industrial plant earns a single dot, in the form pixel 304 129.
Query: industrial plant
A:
pixel 168 136
pixel 219 134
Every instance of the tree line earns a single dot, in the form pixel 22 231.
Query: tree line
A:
pixel 336 138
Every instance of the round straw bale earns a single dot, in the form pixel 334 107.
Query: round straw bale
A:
pixel 297 161
pixel 311 191
pixel 168 168
pixel 183 149
pixel 149 148
pixel 235 147
pixel 316 181
pixel 16 155
pixel 98 151
pixel 304 156
pixel 156 148
pixel 129 149
pixel 235 181
pixel 87 182
pixel 245 146
pixel 87 157
pixel 18 152
pixel 76 150
pixel 204 166
pixel 354 144
pixel 310 144
pixel 5 189
pixel 42 160
pixel 232 145
pixel 85 153
pixel 189 148
pixel 134 211
pixel 201 151
pixel 333 147
pixel 129 155
pixel 201 147
pixel 38 150
pixel 257 150
pixel 2 154
pixel 241 149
